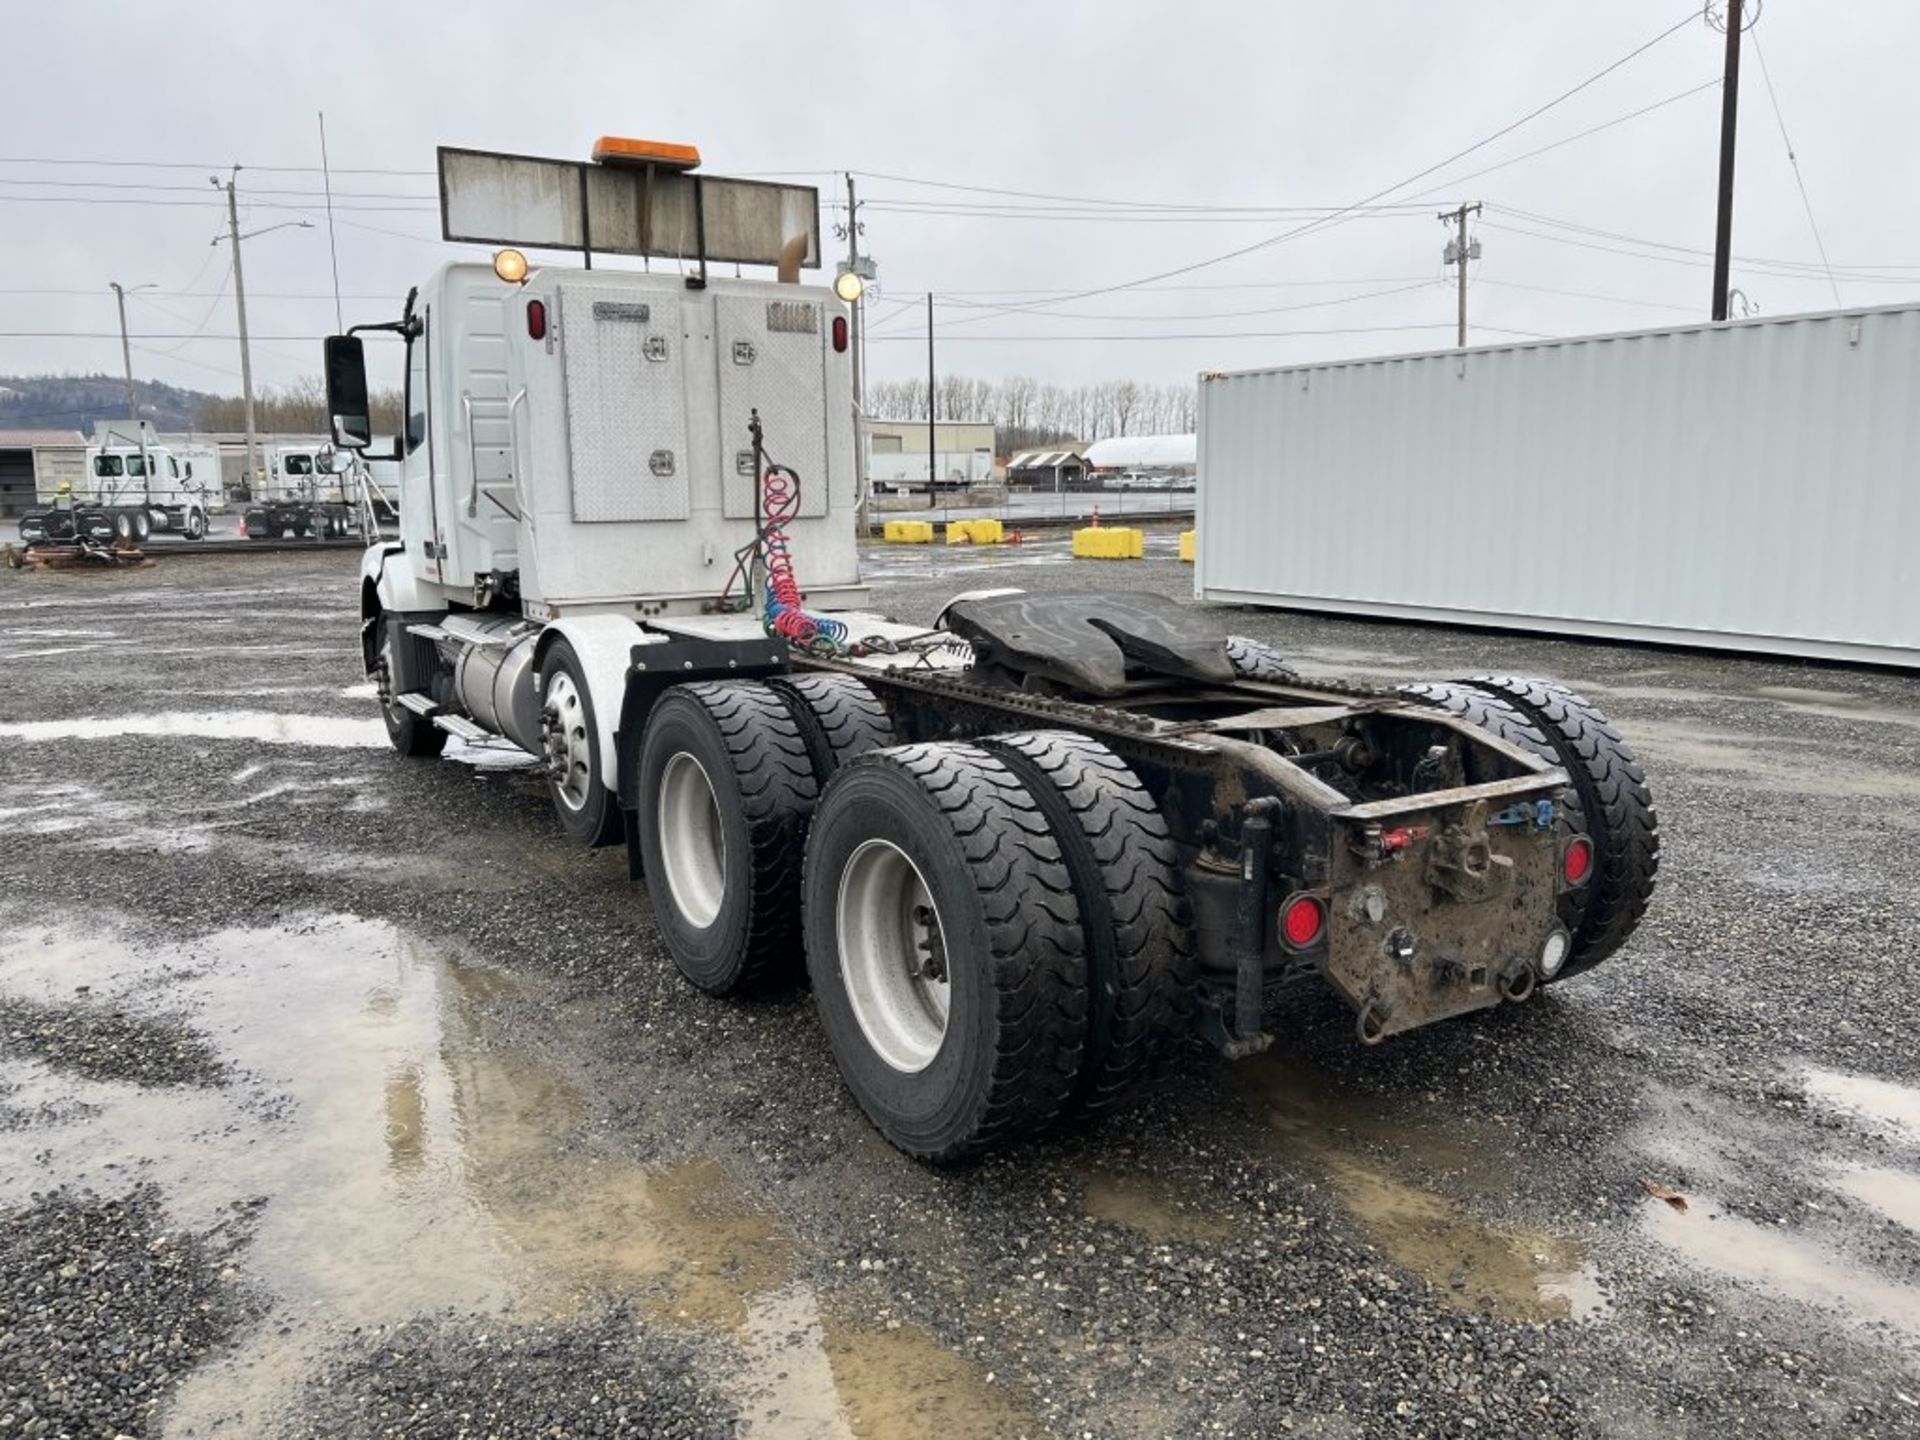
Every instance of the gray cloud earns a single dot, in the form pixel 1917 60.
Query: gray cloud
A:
pixel 1282 104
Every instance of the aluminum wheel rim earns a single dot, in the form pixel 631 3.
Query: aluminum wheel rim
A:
pixel 569 745
pixel 693 846
pixel 893 955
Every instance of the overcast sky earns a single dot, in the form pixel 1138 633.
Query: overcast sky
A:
pixel 1279 104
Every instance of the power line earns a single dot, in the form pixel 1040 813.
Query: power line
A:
pixel 195 165
pixel 202 294
pixel 148 200
pixel 1204 335
pixel 115 335
pixel 1218 314
pixel 199 327
pixel 1455 181
pixel 1338 217
pixel 1114 217
pixel 1794 161
pixel 1807 268
pixel 198 189
pixel 1479 279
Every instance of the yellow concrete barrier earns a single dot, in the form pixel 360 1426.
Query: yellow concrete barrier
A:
pixel 1186 546
pixel 1109 542
pixel 974 532
pixel 908 532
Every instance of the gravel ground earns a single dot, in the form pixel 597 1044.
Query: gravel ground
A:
pixel 430 1380
pixel 446 1064
pixel 103 1308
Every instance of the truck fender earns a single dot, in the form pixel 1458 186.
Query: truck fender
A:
pixel 604 644
pixel 394 586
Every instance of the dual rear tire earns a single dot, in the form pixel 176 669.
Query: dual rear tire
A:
pixel 993 933
pixel 1608 802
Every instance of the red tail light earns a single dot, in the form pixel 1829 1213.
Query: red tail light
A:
pixel 1303 920
pixel 1577 863
pixel 839 334
pixel 537 319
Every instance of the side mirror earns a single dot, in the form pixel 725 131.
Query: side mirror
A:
pixel 347 409
pixel 189 469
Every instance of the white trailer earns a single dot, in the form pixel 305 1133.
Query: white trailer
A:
pixel 1018 853
pixel 1746 486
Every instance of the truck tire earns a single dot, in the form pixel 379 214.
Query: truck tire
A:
pixel 1256 660
pixel 142 527
pixel 196 525
pixel 944 945
pixel 1618 807
pixel 1499 717
pixel 589 812
pixel 839 716
pixel 413 736
pixel 726 790
pixel 1136 930
pixel 123 525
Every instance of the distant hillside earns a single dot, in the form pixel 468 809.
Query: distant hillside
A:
pixel 74 402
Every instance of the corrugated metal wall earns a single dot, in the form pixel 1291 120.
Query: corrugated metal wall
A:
pixel 1754 485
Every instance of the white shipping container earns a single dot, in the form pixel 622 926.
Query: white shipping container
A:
pixel 1752 486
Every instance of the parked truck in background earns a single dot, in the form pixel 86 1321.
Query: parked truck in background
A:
pixel 1021 852
pixel 309 490
pixel 129 489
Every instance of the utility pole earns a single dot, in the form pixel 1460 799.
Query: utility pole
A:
pixel 1729 122
pixel 1459 250
pixel 246 356
pixel 126 348
pixel 859 368
pixel 932 449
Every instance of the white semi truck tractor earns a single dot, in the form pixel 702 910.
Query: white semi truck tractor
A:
pixel 309 490
pixel 1021 852
pixel 130 489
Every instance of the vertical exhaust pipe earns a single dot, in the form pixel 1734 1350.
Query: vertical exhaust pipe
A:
pixel 791 255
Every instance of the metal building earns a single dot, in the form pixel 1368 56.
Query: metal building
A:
pixel 33 463
pixel 1752 486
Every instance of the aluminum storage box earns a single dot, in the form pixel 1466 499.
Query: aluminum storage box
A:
pixel 1752 486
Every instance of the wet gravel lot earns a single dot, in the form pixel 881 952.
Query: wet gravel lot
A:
pixel 339 1096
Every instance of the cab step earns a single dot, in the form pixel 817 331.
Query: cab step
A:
pixel 418 701
pixel 464 728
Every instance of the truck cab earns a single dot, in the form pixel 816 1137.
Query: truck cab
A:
pixel 579 443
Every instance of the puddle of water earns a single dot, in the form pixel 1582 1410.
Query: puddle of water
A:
pixel 1151 1206
pixel 1887 1106
pixel 903 1383
pixel 1780 1262
pixel 1474 1264
pixel 1894 1193
pixel 409 1164
pixel 262 725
